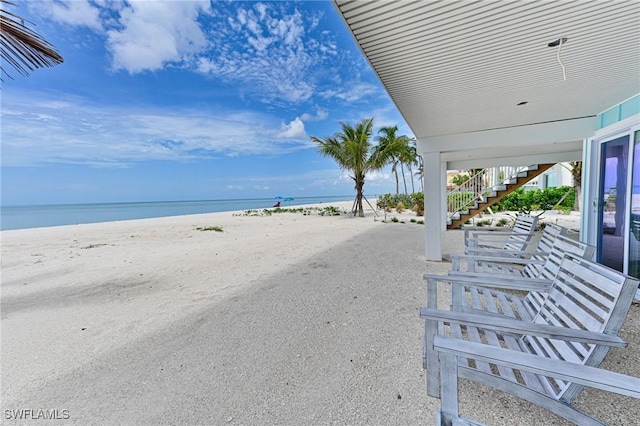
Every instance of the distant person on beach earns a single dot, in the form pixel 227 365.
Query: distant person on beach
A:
pixel 277 204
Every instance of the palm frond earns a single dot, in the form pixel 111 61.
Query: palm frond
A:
pixel 21 47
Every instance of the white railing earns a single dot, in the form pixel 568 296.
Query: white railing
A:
pixel 479 186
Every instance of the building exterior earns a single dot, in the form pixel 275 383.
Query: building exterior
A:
pixel 611 199
pixel 514 83
pixel 558 175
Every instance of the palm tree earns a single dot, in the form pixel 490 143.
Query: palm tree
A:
pixel 353 151
pixel 392 149
pixel 21 47
pixel 409 156
pixel 576 174
pixel 420 173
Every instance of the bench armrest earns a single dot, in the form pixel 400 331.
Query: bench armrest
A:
pixel 514 326
pixel 474 241
pixel 498 259
pixel 510 283
pixel 575 373
pixel 523 258
pixel 486 228
pixel 500 252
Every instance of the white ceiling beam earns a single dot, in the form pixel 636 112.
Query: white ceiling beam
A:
pixel 511 137
pixel 517 160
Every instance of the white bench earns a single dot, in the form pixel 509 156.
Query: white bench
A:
pixel 514 239
pixel 478 260
pixel 577 323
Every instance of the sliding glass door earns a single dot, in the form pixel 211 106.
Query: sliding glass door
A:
pixel 634 237
pixel 612 212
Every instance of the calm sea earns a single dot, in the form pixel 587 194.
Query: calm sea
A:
pixel 21 217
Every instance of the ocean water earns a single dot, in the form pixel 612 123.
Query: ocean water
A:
pixel 22 217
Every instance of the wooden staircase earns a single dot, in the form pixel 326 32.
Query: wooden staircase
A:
pixel 496 194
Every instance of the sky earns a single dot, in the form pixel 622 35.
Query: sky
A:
pixel 186 100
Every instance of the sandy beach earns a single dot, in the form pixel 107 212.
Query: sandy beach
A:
pixel 283 319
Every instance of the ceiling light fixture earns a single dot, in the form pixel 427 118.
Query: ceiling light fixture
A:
pixel 559 42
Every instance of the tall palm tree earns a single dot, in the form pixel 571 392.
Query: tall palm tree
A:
pixel 391 149
pixel 576 174
pixel 412 160
pixel 420 172
pixel 353 151
pixel 21 47
pixel 409 156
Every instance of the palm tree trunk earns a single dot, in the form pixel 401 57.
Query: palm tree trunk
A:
pixel 360 192
pixel 404 179
pixel 394 169
pixel 413 187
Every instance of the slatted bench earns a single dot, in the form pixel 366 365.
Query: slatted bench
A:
pixel 577 323
pixel 481 292
pixel 478 260
pixel 514 239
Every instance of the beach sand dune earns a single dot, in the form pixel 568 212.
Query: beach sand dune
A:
pixel 285 319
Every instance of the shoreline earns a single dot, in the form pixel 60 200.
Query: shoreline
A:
pixel 46 216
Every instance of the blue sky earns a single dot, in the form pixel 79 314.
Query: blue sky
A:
pixel 186 100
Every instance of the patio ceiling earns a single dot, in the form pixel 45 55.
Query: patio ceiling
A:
pixel 462 67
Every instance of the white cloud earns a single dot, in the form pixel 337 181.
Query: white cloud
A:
pixel 70 12
pixel 273 50
pixel 234 188
pixel 378 175
pixel 293 130
pixel 356 92
pixel 321 114
pixel 154 33
pixel 36 132
pixel 270 50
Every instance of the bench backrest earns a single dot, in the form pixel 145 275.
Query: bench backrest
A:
pixel 548 237
pixel 548 271
pixel 545 246
pixel 585 295
pixel 522 232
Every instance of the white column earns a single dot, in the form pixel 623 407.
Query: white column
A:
pixel 434 217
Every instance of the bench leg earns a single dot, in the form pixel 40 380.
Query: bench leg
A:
pixel 449 377
pixel 431 362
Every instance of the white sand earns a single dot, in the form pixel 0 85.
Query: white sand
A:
pixel 285 319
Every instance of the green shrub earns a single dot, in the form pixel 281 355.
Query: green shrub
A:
pixel 418 203
pixel 209 228
pixel 525 201
pixel 459 179
pixel 390 201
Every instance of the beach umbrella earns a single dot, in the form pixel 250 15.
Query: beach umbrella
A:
pixel 279 197
pixel 288 199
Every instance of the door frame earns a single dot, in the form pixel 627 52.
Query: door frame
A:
pixel 591 231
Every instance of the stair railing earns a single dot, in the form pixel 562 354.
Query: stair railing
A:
pixel 476 189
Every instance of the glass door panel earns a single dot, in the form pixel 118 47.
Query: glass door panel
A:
pixel 634 238
pixel 612 202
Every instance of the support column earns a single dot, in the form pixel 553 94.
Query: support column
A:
pixel 434 217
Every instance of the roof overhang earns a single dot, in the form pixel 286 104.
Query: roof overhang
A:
pixel 459 71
